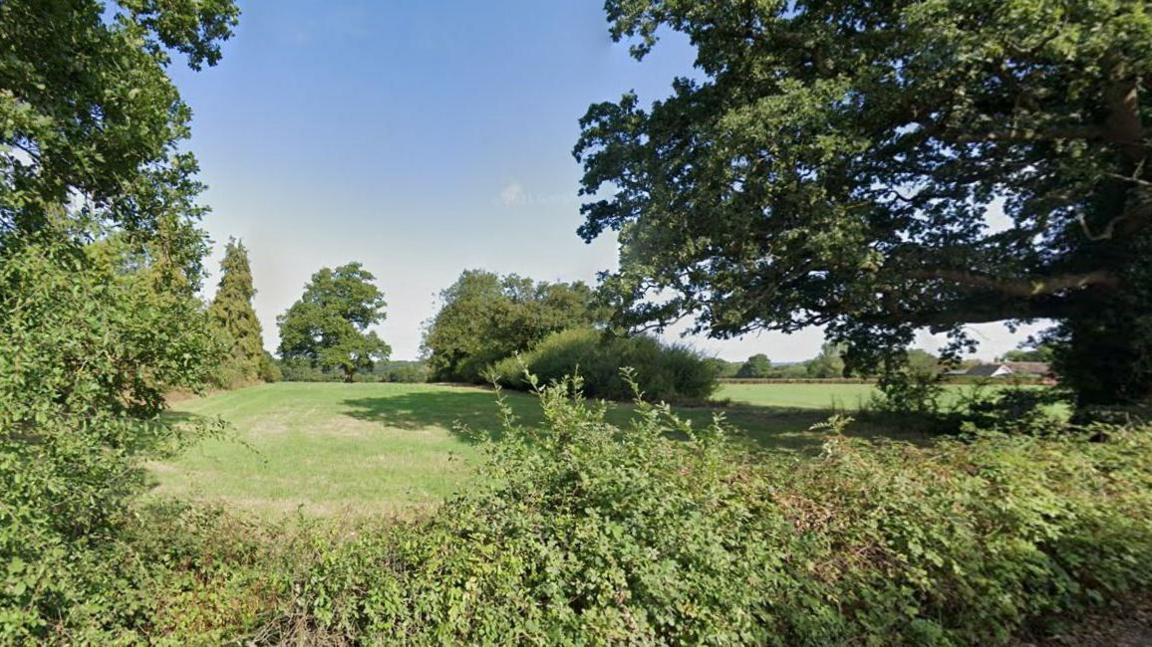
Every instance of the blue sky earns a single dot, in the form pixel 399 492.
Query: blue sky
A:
pixel 421 138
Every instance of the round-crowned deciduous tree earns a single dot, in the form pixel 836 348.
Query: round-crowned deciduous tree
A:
pixel 880 167
pixel 757 366
pixel 328 326
pixel 486 318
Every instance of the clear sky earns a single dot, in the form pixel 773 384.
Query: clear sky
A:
pixel 422 138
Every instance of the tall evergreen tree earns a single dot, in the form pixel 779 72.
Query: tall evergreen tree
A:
pixel 232 313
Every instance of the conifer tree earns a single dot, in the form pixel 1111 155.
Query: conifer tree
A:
pixel 232 313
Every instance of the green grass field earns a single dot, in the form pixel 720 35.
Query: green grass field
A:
pixel 814 396
pixel 330 448
pixel 800 396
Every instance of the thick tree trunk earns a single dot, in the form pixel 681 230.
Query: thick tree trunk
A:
pixel 1107 357
pixel 349 375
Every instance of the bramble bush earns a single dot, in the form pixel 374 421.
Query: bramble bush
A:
pixel 582 532
pixel 664 372
pixel 91 337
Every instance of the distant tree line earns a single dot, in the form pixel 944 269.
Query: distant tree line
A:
pixel 412 371
pixel 827 364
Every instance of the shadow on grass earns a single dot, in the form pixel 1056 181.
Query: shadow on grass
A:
pixel 454 410
pixel 752 426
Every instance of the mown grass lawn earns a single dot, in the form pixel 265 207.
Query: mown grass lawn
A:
pixel 329 448
pixel 800 395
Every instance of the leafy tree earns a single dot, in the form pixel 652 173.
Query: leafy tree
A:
pixel 921 361
pixel 757 366
pixel 835 164
pixel 486 318
pixel 723 368
pixel 328 326
pixel 232 314
pixel 1041 353
pixel 829 363
pixel 100 259
pixel 91 118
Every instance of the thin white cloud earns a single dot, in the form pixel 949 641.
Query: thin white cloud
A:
pixel 513 195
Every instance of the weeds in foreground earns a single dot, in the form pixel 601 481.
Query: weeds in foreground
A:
pixel 658 532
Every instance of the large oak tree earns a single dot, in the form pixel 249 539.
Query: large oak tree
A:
pixel 878 167
pixel 328 326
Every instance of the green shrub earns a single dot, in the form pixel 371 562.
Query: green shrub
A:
pixel 670 373
pixel 401 371
pixel 87 351
pixel 583 532
pixel 269 369
pixel 587 534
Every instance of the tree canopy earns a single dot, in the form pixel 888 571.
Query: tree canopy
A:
pixel 90 120
pixel 328 326
pixel 886 166
pixel 100 260
pixel 757 366
pixel 487 317
pixel 1040 353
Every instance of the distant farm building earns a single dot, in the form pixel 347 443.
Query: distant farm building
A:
pixel 1011 369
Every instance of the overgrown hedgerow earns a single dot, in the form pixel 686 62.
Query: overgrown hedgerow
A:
pixel 587 533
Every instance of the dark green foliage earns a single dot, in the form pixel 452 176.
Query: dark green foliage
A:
pixel 757 366
pixel 791 371
pixel 87 109
pixel 88 349
pixel 327 327
pixel 668 373
pixel 835 163
pixel 724 368
pixel 232 315
pixel 1013 410
pixel 486 318
pixel 295 370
